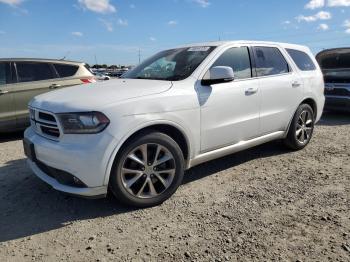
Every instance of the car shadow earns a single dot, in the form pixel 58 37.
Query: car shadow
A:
pixel 212 167
pixel 335 119
pixel 29 206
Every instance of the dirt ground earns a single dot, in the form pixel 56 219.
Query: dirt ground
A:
pixel 263 204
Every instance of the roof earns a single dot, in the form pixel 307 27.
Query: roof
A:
pixel 247 42
pixel 38 60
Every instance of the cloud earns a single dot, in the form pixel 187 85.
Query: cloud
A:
pixel 323 27
pixel 286 22
pixel 107 24
pixel 172 22
pixel 202 3
pixel 153 39
pixel 78 34
pixel 132 6
pixel 336 3
pixel 313 4
pixel 322 15
pixel 123 22
pixel 11 2
pixel 347 26
pixel 98 6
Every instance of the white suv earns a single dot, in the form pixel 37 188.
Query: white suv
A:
pixel 179 108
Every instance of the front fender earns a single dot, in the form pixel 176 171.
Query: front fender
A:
pixel 186 133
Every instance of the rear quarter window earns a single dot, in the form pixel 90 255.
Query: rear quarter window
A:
pixel 64 70
pixel 302 60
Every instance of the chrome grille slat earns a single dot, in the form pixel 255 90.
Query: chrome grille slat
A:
pixel 42 126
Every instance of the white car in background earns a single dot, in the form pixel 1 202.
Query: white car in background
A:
pixel 182 107
pixel 102 77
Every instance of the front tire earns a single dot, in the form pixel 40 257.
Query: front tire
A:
pixel 148 170
pixel 301 128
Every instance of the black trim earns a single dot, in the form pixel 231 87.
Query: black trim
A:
pixel 252 61
pixel 209 82
pixel 15 71
pixel 53 69
pixel 60 176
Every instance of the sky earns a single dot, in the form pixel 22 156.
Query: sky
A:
pixel 117 31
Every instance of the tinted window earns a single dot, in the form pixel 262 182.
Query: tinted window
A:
pixel 33 72
pixel 302 60
pixel 238 59
pixel 337 59
pixel 3 78
pixel 5 74
pixel 270 61
pixel 66 70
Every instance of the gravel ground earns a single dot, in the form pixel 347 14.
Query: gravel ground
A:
pixel 262 204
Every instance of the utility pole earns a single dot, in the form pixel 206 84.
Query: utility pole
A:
pixel 139 56
pixel 95 60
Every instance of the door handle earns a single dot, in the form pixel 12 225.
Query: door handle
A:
pixel 54 86
pixel 3 92
pixel 296 84
pixel 251 91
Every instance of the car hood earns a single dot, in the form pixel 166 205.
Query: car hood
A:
pixel 92 97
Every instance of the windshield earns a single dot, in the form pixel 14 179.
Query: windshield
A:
pixel 171 65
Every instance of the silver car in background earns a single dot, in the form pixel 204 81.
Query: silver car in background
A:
pixel 21 79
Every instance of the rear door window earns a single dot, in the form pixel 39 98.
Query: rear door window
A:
pixel 238 59
pixel 64 70
pixel 28 71
pixel 5 74
pixel 270 61
pixel 302 60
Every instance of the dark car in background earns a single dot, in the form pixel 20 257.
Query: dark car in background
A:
pixel 335 65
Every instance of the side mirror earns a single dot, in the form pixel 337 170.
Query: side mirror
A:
pixel 217 75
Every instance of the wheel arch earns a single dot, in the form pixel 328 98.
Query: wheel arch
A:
pixel 175 131
pixel 309 101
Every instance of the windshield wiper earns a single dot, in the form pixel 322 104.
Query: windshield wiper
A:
pixel 175 78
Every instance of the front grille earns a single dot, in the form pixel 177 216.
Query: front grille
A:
pixel 44 123
pixel 47 117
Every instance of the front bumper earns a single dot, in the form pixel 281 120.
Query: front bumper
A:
pixel 89 192
pixel 85 157
pixel 338 103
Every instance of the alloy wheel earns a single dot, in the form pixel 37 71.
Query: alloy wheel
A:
pixel 148 170
pixel 304 127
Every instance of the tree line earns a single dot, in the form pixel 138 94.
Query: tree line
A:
pixel 98 66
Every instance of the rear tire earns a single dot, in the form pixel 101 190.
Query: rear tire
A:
pixel 147 171
pixel 301 128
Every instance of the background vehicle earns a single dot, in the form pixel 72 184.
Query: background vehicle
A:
pixel 335 64
pixel 102 77
pixel 179 108
pixel 22 79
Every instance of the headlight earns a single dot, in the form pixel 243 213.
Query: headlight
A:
pixel 83 123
